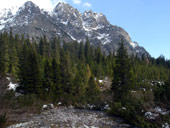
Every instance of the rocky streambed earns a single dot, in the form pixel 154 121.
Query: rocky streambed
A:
pixel 68 117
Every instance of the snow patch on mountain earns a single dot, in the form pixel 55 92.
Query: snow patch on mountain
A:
pixel 7 16
pixel 133 44
pixel 2 26
pixel 86 28
pixel 101 36
pixel 138 51
pixel 8 12
pixel 98 15
pixel 105 38
pixel 4 21
pixel 71 37
pixel 98 27
pixel 64 22
pixel 106 41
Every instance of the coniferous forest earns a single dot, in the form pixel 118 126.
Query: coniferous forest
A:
pixel 51 71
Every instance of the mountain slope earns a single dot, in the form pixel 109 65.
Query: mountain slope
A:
pixel 69 25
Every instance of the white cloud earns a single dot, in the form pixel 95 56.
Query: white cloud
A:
pixel 55 2
pixel 76 1
pixel 86 4
pixel 45 4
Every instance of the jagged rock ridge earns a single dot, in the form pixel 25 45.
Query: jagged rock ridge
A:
pixel 69 25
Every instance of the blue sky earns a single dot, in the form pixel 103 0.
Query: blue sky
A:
pixel 147 21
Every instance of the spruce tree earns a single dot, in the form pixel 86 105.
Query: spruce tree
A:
pixel 42 47
pixel 122 73
pixel 92 91
pixel 4 53
pixel 23 66
pixel 48 77
pixel 13 64
pixel 56 77
pixel 80 81
pixel 29 71
pixel 55 46
pixel 35 74
pixel 66 72
pixel 81 53
pixel 87 51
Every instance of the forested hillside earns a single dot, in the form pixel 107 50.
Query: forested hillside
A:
pixel 76 73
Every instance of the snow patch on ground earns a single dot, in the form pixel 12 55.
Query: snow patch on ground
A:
pixel 8 78
pixel 100 81
pixel 21 125
pixel 91 106
pixel 161 111
pixel 123 108
pixel 59 103
pixel 154 82
pixel 166 125
pixel 85 126
pixel 133 91
pixel 107 107
pixel 150 115
pixel 47 106
pixel 12 86
pixel 156 112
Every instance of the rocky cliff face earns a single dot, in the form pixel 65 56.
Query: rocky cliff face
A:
pixel 69 25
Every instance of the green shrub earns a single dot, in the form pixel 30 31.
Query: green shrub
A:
pixel 28 100
pixel 3 119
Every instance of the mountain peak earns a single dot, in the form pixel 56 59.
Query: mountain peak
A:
pixel 66 12
pixel 89 14
pixel 93 19
pixel 62 5
pixel 29 7
pixel 29 3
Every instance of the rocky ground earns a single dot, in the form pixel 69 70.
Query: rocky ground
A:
pixel 68 117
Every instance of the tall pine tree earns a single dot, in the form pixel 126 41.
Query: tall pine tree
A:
pixel 122 73
pixel 4 53
pixel 29 70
